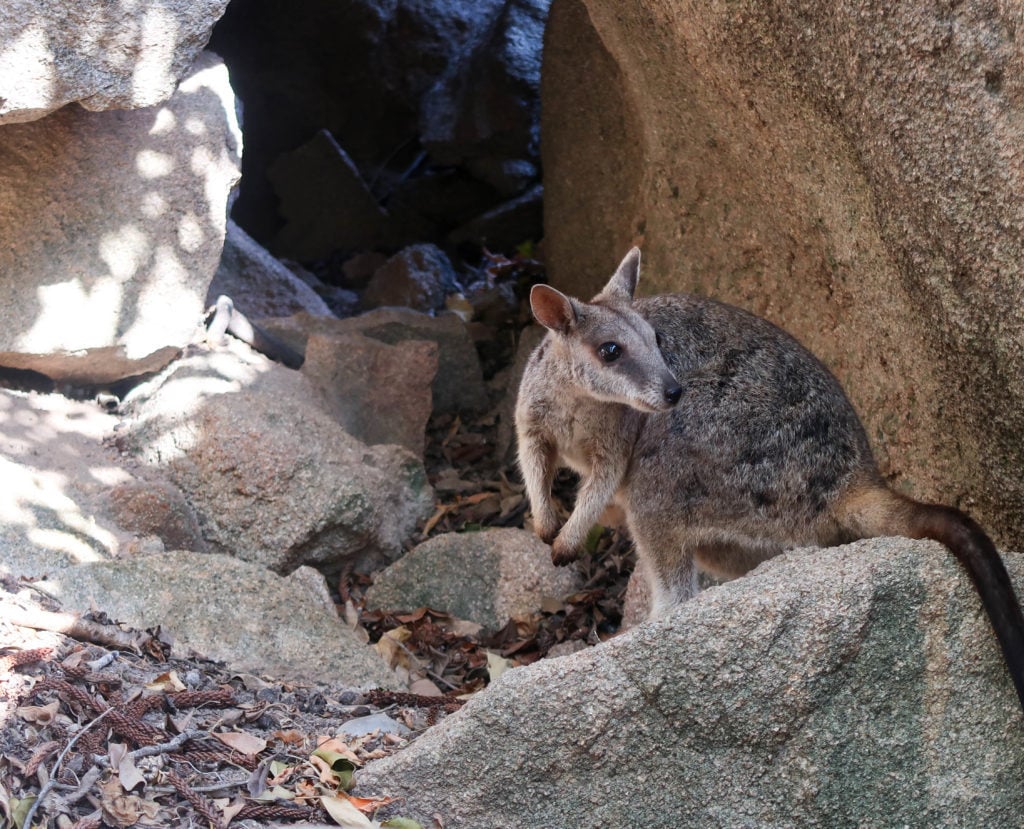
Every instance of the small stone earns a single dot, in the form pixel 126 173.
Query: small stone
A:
pixel 418 277
pixel 486 577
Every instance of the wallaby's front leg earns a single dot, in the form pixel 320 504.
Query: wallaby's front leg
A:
pixel 595 492
pixel 538 459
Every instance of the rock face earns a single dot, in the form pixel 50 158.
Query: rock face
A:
pixel 848 169
pixel 229 610
pixel 411 117
pixel 486 577
pixel 458 385
pixel 418 277
pixel 379 393
pixel 103 56
pixel 324 201
pixel 857 686
pixel 272 477
pixel 258 284
pixel 114 221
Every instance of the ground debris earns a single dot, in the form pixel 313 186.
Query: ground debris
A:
pixel 91 736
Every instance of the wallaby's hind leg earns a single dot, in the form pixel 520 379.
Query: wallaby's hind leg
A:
pixel 669 567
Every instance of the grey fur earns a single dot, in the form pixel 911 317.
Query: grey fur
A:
pixel 763 451
pixel 757 456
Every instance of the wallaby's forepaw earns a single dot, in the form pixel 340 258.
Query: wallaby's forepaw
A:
pixel 547 531
pixel 563 554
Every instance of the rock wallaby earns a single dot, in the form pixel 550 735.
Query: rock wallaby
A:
pixel 723 440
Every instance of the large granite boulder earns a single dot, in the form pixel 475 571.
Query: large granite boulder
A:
pixel 851 169
pixel 259 285
pixel 458 384
pixel 225 609
pixel 113 222
pixel 102 55
pixel 272 477
pixel 856 686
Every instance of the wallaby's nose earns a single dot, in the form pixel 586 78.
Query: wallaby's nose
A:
pixel 673 394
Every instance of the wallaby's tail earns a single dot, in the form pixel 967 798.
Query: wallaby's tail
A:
pixel 877 511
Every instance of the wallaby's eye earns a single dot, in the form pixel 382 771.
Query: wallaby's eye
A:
pixel 609 352
pixel 657 339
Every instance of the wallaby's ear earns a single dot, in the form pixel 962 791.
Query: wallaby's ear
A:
pixel 622 285
pixel 552 308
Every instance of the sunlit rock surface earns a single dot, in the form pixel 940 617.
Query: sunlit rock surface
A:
pixel 113 222
pixel 104 55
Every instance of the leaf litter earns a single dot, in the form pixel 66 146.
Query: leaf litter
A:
pixel 91 736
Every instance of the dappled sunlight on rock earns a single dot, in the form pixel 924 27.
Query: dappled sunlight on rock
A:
pixel 155 67
pixel 91 268
pixel 103 54
pixel 184 391
pixel 25 53
pixel 53 471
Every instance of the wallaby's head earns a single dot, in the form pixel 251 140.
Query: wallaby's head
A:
pixel 613 351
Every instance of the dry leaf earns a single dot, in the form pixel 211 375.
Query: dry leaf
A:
pixel 551 605
pixel 497 665
pixel 242 742
pixel 127 773
pixel 367 805
pixel 123 809
pixel 425 688
pixel 441 512
pixel 230 810
pixel 41 714
pixel 327 775
pixel 290 737
pixel 276 793
pixel 332 745
pixel 390 647
pixel 345 814
pixel 167 682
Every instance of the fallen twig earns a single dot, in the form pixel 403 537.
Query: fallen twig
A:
pixel 77 628
pixel 48 787
pixel 151 751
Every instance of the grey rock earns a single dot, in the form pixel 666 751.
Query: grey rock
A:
pixel 505 227
pixel 82 374
pixel 155 508
pixel 341 301
pixel 271 476
pixel 227 610
pixel 125 255
pixel 359 269
pixel 486 577
pixel 100 55
pixel 488 103
pixel 830 688
pixel 259 285
pixel 379 393
pixel 325 202
pixel 458 385
pixel 66 496
pixel 417 277
pixel 850 171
